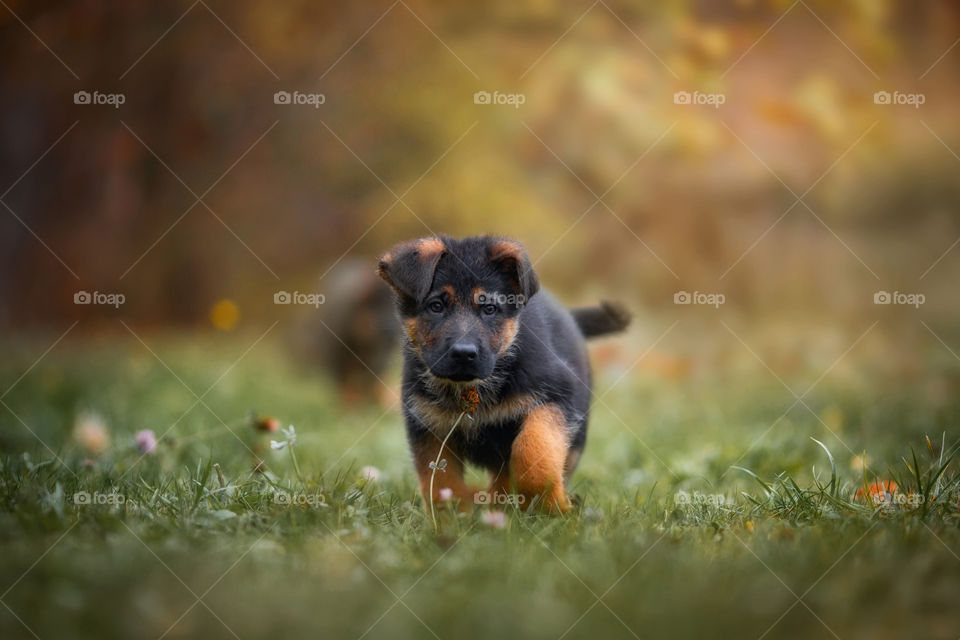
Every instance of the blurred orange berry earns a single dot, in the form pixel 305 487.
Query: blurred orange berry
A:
pixel 266 424
pixel 90 432
pixel 879 489
pixel 224 315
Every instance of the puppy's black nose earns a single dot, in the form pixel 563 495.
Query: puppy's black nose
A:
pixel 464 352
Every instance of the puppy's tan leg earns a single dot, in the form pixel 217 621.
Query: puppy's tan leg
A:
pixel 538 457
pixel 451 477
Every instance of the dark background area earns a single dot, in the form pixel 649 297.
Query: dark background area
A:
pixel 294 188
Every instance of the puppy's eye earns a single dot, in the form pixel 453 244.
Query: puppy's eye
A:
pixel 489 309
pixel 436 306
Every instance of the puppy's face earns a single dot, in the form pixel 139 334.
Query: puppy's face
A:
pixel 459 301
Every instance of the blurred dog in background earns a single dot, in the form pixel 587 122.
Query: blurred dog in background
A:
pixel 353 335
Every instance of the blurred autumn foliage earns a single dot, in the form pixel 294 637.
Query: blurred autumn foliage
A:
pixel 200 188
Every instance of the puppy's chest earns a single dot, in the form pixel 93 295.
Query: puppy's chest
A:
pixel 440 417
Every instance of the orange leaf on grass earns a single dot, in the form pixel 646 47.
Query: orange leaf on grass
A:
pixel 878 488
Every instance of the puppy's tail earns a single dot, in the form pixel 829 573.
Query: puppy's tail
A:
pixel 608 317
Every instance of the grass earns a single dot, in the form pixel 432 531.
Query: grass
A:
pixel 688 522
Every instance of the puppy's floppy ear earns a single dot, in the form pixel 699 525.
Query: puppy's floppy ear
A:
pixel 409 266
pixel 511 259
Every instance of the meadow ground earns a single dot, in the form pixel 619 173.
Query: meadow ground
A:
pixel 705 506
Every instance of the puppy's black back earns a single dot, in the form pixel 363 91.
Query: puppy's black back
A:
pixel 552 359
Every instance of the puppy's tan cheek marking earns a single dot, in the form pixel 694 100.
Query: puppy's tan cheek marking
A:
pixel 427 337
pixel 420 335
pixel 506 335
pixel 411 327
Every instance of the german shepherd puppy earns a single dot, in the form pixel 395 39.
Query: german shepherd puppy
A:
pixel 485 344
